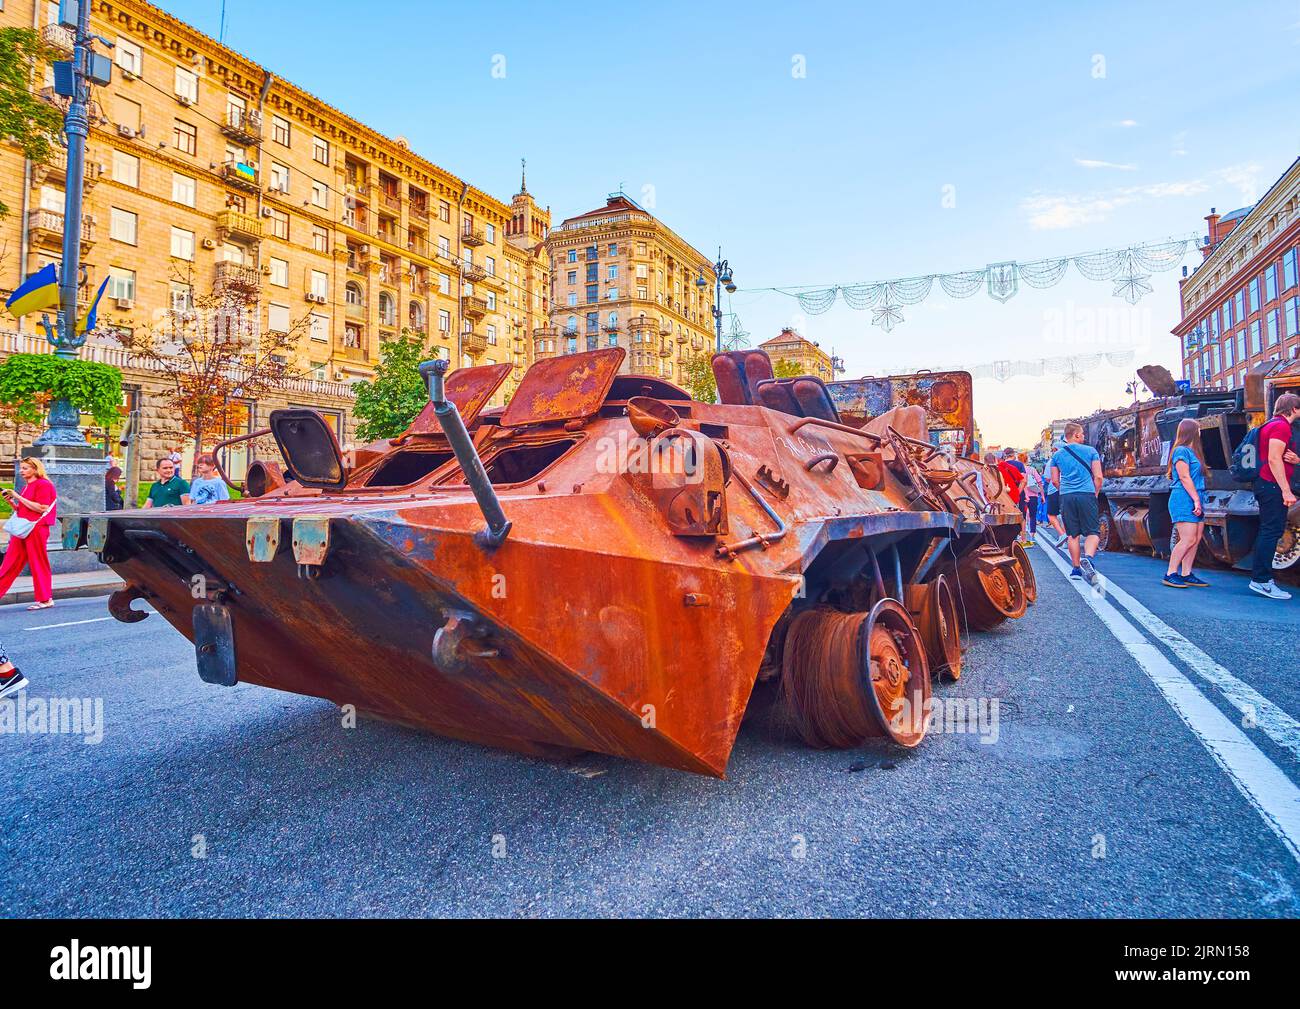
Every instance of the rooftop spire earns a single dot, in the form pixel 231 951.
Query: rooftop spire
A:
pixel 523 175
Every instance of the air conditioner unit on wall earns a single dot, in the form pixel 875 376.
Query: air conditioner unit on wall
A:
pixel 123 304
pixel 124 131
pixel 266 211
pixel 209 243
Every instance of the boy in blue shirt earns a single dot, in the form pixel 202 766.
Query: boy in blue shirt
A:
pixel 1076 473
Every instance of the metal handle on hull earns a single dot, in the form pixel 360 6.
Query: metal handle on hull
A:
pixel 434 373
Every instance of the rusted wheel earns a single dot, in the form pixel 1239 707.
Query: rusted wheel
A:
pixel 934 611
pixel 1288 548
pixel 990 592
pixel 849 677
pixel 1026 569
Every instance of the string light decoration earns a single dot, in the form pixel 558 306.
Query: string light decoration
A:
pixel 1128 269
pixel 1071 367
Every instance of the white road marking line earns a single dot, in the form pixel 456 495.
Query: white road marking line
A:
pixel 70 623
pixel 1272 720
pixel 1261 782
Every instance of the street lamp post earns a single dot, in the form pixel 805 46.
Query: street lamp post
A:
pixel 721 279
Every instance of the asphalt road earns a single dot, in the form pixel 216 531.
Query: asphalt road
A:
pixel 1136 772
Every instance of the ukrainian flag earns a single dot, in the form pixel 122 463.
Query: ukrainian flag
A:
pixel 37 293
pixel 88 320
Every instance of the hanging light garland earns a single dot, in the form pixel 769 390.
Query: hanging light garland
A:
pixel 1071 367
pixel 1128 269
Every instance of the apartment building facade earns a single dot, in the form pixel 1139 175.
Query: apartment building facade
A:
pixel 798 350
pixel 621 277
pixel 1241 305
pixel 207 174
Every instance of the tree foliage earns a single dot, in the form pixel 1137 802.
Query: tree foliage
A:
pixel 31 122
pixel 29 381
pixel 697 378
pixel 385 407
pixel 786 368
pixel 214 358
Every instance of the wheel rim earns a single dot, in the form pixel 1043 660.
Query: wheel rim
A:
pixel 1103 531
pixel 897 675
pixel 933 609
pixel 1288 548
pixel 1028 579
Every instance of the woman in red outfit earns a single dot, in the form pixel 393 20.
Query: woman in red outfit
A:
pixel 36 503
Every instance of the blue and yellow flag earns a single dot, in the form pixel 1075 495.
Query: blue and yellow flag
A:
pixel 88 320
pixel 37 293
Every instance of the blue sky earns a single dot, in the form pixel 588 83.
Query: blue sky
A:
pixel 839 175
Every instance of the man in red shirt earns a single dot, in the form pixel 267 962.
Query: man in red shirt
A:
pixel 1277 461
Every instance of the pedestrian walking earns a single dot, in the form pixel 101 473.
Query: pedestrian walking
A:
pixel 1053 500
pixel 112 493
pixel 12 679
pixel 29 530
pixel 207 487
pixel 168 489
pixel 1187 471
pixel 1076 472
pixel 1277 463
pixel 1031 495
pixel 1013 475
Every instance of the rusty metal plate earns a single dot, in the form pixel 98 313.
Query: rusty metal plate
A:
pixel 471 389
pixel 214 644
pixel 262 534
pixel 97 534
pixel 311 539
pixel 569 387
pixel 944 395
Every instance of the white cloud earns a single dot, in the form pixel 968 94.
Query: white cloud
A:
pixel 1090 163
pixel 1057 211
pixel 1245 178
pixel 1128 122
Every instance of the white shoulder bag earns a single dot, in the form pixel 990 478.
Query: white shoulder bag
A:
pixel 18 526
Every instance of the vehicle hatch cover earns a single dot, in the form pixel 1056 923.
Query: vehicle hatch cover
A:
pixel 568 387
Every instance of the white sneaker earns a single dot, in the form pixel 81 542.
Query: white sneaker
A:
pixel 1269 589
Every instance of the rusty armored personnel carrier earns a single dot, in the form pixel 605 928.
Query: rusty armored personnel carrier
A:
pixel 1134 443
pixel 602 565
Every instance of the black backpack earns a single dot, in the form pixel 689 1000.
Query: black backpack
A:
pixel 1245 458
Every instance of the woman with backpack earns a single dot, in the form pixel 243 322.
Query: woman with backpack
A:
pixel 1187 471
pixel 1031 493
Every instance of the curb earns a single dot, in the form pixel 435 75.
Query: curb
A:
pixel 66 592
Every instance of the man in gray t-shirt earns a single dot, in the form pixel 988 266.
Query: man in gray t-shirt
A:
pixel 1076 473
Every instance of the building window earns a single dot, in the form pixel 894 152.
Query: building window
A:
pixel 279 224
pixel 277 318
pixel 1228 320
pixel 492 334
pixel 1227 354
pixel 1270 283
pixel 320 150
pixel 122 226
pixel 490 266
pixel 444 284
pixel 279 272
pixel 444 212
pixel 280 130
pixel 319 327
pixel 1273 321
pixel 182 244
pixel 592 253
pixel 1239 306
pixel 128 113
pixel 121 283
pixel 183 189
pixel 1255 346
pixel 187 85
pixel 611 294
pixel 490 233
pixel 640 248
pixel 573 299
pixel 444 321
pixel 642 271
pixel 185 137
pixel 612 271
pixel 643 294
pixel 593 322
pixel 279 177
pixel 128 56
pixel 491 301
pixel 1241 346
pixel 126 169
pixel 573 276
pixel 387 310
pixel 352 294
pixel 1289 270
pixel 613 248
pixel 320 239
pixel 593 294
pixel 320 195
pixel 319 284
pixel 444 246
pixel 181 297
pixel 573 255
pixel 1252 289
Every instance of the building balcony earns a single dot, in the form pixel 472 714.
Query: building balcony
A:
pixel 238 225
pixel 355 312
pixel 244 127
pixel 419 211
pixel 240 175
pixel 473 273
pixel 390 199
pixel 348 353
pixel 644 366
pixel 473 342
pixel 611 328
pixel 474 308
pixel 472 237
pixel 56 169
pixel 46 228
pixel 238 279
pixel 358 264
pixel 58 37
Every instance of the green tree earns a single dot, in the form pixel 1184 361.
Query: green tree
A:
pixel 385 407
pixel 26 119
pixel 697 378
pixel 785 368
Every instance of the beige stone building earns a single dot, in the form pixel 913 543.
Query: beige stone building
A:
pixel 807 356
pixel 202 163
pixel 621 277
